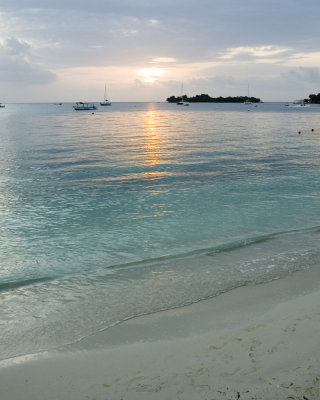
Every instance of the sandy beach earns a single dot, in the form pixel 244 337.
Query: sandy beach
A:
pixel 258 342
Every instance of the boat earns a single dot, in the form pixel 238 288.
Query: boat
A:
pixel 2 105
pixel 80 105
pixel 182 102
pixel 106 102
pixel 247 101
pixel 298 103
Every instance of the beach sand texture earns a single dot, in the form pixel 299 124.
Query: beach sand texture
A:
pixel 258 342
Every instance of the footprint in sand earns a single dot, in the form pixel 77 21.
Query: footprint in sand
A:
pixel 254 327
pixel 145 387
pixel 290 328
pixel 140 385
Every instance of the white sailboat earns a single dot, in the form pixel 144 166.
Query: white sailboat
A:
pixel 248 98
pixel 106 102
pixel 182 102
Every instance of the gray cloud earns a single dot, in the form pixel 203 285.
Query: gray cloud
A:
pixel 44 36
pixel 192 29
pixel 15 67
pixel 303 74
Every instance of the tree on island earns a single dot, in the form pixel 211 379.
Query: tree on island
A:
pixel 205 98
pixel 313 99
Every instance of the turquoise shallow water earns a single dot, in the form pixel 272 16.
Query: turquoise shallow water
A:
pixel 147 206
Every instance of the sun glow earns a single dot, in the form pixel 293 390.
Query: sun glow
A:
pixel 151 75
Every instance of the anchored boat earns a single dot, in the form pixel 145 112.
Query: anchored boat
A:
pixel 106 102
pixel 80 105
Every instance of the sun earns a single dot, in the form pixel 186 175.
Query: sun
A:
pixel 151 75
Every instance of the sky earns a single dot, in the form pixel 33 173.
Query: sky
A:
pixel 147 50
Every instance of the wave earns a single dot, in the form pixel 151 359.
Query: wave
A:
pixel 225 247
pixel 77 306
pixel 219 248
pixel 11 285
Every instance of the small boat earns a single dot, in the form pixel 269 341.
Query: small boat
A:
pixel 80 105
pixel 2 105
pixel 106 102
pixel 298 103
pixel 182 102
pixel 247 101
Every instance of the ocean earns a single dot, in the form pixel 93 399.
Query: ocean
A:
pixel 141 207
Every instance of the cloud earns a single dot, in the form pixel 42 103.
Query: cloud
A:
pixel 13 47
pixel 302 74
pixel 247 52
pixel 79 44
pixel 16 65
pixel 163 60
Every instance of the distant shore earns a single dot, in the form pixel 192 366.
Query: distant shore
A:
pixel 258 342
pixel 205 98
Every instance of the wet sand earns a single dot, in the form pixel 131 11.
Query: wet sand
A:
pixel 259 342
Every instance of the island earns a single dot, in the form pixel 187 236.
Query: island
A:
pixel 205 98
pixel 313 99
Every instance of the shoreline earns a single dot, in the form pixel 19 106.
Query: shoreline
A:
pixel 255 342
